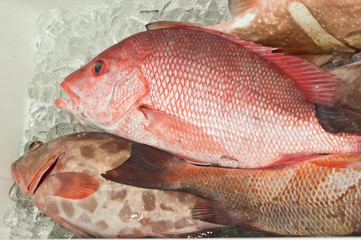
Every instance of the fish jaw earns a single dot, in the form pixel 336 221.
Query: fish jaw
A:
pixel 29 170
pixel 70 106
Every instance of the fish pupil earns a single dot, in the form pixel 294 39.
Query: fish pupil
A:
pixel 35 145
pixel 97 68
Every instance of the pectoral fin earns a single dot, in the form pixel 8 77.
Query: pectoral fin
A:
pixel 182 134
pixel 73 185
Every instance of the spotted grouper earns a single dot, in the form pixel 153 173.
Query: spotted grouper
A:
pixel 63 179
pixel 209 97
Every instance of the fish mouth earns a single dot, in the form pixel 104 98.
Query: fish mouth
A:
pixel 65 104
pixel 43 173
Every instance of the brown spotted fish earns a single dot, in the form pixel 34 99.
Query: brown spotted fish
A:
pixel 63 179
pixel 312 28
pixel 318 197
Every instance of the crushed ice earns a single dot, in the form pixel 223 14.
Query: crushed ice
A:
pixel 67 38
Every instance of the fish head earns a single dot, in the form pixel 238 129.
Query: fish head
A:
pixel 32 169
pixel 104 90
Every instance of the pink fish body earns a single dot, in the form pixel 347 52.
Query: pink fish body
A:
pixel 63 179
pixel 207 96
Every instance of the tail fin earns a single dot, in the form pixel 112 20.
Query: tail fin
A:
pixel 148 167
pixel 338 119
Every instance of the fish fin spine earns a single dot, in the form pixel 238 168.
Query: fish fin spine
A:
pixel 148 167
pixel 212 211
pixel 169 24
pixel 237 7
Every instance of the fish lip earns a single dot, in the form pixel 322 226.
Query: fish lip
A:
pixel 71 106
pixel 66 104
pixel 17 178
pixel 38 178
pixel 74 98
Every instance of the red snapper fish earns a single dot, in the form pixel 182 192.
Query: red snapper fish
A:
pixel 210 97
pixel 309 28
pixel 63 179
pixel 318 197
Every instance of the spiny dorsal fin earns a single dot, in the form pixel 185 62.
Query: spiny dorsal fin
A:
pixel 237 7
pixel 148 167
pixel 169 24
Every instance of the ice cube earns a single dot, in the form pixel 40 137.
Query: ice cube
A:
pixel 10 217
pixel 43 228
pixel 13 195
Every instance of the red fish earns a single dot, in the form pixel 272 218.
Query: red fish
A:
pixel 63 179
pixel 208 96
pixel 319 197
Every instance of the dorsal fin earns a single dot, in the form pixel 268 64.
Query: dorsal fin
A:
pixel 237 7
pixel 169 24
pixel 318 86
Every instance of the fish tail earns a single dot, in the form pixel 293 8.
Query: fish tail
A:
pixel 149 167
pixel 338 119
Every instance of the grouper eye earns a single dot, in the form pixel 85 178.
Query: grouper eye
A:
pixel 35 145
pixel 98 68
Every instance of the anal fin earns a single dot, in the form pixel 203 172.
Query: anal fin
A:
pixel 212 211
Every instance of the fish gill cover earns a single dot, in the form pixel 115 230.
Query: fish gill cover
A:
pixel 67 38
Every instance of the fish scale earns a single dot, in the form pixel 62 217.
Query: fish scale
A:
pixel 318 197
pixel 238 105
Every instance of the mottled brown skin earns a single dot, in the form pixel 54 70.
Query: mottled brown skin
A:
pixel 97 207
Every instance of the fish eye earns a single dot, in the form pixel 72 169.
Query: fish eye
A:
pixel 98 67
pixel 35 145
